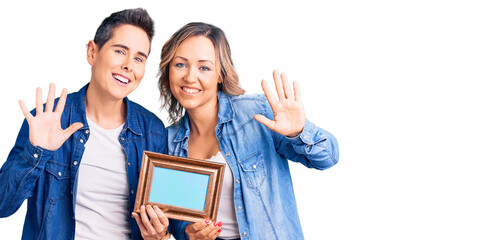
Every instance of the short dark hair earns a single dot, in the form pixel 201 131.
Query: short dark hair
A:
pixel 137 17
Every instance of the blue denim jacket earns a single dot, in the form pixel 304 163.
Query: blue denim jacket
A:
pixel 47 178
pixel 263 192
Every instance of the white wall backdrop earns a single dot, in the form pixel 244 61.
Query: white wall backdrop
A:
pixel 411 89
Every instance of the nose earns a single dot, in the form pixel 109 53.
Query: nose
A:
pixel 127 65
pixel 191 75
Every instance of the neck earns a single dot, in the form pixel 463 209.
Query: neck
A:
pixel 203 121
pixel 105 112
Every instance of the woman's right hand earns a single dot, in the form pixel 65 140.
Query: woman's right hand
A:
pixel 153 223
pixel 203 230
pixel 45 127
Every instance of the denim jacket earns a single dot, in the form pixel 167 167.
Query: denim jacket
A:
pixel 263 192
pixel 47 178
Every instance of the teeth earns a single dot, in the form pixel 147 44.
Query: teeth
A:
pixel 121 79
pixel 190 90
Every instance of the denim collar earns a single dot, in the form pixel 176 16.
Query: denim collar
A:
pixel 78 112
pixel 225 114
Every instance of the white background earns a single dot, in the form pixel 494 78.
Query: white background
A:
pixel 411 90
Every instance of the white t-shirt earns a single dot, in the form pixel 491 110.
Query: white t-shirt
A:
pixel 101 211
pixel 226 212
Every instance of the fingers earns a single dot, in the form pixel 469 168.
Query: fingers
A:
pixel 71 129
pixel 38 101
pixel 25 111
pixel 283 88
pixel 267 92
pixel 197 226
pixel 162 217
pixel 204 229
pixel 286 86
pixel 50 98
pixel 139 222
pixel 154 219
pixel 264 120
pixel 296 90
pixel 144 219
pixel 214 234
pixel 279 85
pixel 62 101
pixel 212 231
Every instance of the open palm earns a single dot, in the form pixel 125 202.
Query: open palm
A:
pixel 289 116
pixel 45 127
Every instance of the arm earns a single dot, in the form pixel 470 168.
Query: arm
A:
pixel 313 147
pixel 294 137
pixel 37 141
pixel 18 176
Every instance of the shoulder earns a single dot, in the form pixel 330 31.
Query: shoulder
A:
pixel 145 118
pixel 178 129
pixel 242 109
pixel 249 103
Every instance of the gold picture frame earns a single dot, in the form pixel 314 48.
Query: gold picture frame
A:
pixel 183 188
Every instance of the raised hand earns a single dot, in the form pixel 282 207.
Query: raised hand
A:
pixel 289 116
pixel 45 127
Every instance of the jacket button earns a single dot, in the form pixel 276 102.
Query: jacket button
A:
pixel 244 234
pixel 227 154
pixel 87 131
pixel 254 166
pixel 35 155
pixel 239 208
pixel 59 174
pixel 81 141
pixel 237 180
pixel 75 163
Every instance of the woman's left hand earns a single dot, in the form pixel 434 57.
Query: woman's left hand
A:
pixel 289 116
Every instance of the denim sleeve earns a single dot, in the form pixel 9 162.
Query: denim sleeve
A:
pixel 313 147
pixel 19 174
pixel 177 229
pixel 161 145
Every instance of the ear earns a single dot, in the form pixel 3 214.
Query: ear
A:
pixel 92 50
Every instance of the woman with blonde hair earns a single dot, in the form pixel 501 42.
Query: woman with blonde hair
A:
pixel 213 120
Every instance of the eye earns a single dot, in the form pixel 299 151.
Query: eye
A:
pixel 120 51
pixel 180 65
pixel 138 59
pixel 205 68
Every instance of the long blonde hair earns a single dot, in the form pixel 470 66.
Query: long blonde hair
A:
pixel 230 80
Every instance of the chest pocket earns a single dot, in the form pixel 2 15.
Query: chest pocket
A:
pixel 253 169
pixel 57 180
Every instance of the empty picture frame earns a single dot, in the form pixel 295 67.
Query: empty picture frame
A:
pixel 183 188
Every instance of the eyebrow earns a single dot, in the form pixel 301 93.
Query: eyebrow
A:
pixel 127 48
pixel 202 60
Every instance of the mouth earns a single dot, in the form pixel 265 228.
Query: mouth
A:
pixel 121 79
pixel 190 90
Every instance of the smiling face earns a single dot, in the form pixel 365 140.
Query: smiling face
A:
pixel 194 74
pixel 118 67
